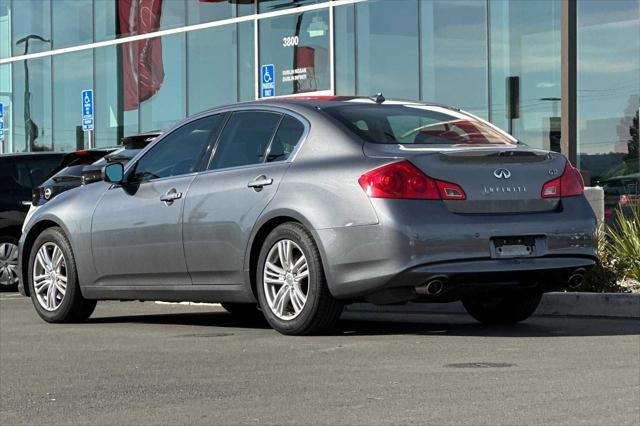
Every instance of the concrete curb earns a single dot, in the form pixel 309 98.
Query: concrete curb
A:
pixel 620 305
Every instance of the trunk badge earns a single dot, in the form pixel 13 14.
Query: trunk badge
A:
pixel 502 173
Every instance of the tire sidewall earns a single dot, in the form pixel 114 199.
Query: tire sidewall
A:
pixel 316 278
pixel 11 240
pixel 55 235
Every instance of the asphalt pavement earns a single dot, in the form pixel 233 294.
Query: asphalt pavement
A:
pixel 145 363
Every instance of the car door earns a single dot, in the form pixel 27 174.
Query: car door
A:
pixel 137 226
pixel 224 202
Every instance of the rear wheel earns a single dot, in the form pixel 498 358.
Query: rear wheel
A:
pixel 292 288
pixel 8 263
pixel 53 280
pixel 502 308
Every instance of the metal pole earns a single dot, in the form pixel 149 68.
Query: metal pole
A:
pixel 90 141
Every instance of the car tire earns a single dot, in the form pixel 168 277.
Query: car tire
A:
pixel 502 308
pixel 283 305
pixel 61 303
pixel 8 263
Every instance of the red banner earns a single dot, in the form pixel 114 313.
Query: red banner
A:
pixel 142 69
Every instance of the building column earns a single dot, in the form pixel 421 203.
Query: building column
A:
pixel 569 74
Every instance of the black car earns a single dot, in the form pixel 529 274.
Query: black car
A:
pixel 19 174
pixel 85 167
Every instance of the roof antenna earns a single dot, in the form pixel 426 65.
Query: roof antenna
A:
pixel 378 98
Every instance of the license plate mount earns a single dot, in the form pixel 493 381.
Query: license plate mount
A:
pixel 513 247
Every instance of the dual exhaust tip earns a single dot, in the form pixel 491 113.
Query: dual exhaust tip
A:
pixel 432 287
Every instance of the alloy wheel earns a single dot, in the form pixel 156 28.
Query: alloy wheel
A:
pixel 50 276
pixel 286 279
pixel 8 264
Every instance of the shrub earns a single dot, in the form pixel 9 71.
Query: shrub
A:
pixel 618 249
pixel 624 243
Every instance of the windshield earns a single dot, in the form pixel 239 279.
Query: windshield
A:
pixel 416 124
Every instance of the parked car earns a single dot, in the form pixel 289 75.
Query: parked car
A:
pixel 84 167
pixel 303 205
pixel 620 193
pixel 19 174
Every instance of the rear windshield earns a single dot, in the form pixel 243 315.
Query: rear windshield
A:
pixel 416 124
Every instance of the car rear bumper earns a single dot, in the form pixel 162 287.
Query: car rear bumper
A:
pixel 417 240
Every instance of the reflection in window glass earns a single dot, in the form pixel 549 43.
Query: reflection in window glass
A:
pixel 5 29
pixel 285 140
pixel 32 119
pixel 70 26
pixel 609 90
pixel 113 121
pixel 105 22
pixel 345 46
pixel 161 83
pixel 298 47
pixel 273 5
pixel 525 44
pixel 213 63
pixel 387 42
pixel 207 11
pixel 154 15
pixel 244 139
pixel 454 51
pixel 5 100
pixel 179 152
pixel 246 62
pixel 122 18
pixel 74 73
pixel 31 22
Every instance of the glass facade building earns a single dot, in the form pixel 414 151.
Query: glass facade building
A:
pixel 151 63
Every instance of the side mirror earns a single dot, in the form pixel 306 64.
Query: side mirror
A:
pixel 113 173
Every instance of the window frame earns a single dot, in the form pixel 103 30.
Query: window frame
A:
pixel 283 112
pixel 132 165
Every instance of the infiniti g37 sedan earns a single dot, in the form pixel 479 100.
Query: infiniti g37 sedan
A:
pixel 294 207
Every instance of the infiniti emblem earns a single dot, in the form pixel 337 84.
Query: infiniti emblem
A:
pixel 502 173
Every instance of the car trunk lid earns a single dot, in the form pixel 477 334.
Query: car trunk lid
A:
pixel 505 179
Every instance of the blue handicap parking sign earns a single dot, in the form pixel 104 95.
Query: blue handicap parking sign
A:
pixel 87 110
pixel 267 78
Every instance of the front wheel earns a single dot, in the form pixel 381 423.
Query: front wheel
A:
pixel 53 280
pixel 502 308
pixel 8 263
pixel 292 288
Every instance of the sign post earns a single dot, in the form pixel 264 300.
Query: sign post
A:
pixel 87 115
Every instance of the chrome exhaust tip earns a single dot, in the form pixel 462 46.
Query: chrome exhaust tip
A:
pixel 576 279
pixel 433 287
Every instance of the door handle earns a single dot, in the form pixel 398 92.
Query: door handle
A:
pixel 171 196
pixel 259 182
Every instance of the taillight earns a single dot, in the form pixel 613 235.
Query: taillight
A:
pixel 404 180
pixel 568 185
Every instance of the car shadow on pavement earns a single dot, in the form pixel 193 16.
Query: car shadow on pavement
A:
pixel 425 325
pixel 207 319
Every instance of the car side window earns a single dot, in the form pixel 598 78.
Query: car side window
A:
pixel 245 139
pixel 177 153
pixel 287 137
